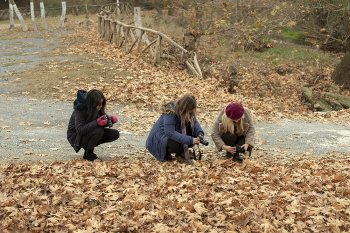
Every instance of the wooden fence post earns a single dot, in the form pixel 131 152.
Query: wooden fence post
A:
pixel 107 26
pixel 118 8
pixel 42 13
pixel 12 21
pixel 111 31
pixel 158 50
pixel 122 36
pixel 19 15
pixel 32 15
pixel 196 65
pixel 237 6
pixel 114 31
pixel 139 40
pixel 137 20
pixel 63 16
pixel 126 40
pixel 99 18
pixel 117 40
pixel 103 29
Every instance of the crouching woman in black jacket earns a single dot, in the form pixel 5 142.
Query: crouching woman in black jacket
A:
pixel 88 122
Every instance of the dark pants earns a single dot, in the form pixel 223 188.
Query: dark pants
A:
pixel 176 147
pixel 232 139
pixel 99 136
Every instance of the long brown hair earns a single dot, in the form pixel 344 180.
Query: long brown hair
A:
pixel 186 108
pixel 93 97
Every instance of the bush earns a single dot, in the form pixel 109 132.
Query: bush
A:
pixel 292 35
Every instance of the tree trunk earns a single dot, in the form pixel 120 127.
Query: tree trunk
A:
pixel 341 74
pixel 42 14
pixel 19 15
pixel 32 15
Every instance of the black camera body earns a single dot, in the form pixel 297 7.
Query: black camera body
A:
pixel 109 121
pixel 241 150
pixel 202 140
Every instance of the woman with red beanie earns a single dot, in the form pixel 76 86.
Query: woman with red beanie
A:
pixel 233 126
pixel 88 122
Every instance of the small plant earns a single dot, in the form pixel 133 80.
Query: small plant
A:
pixel 279 55
pixel 292 35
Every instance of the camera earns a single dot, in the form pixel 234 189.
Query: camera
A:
pixel 109 121
pixel 240 149
pixel 202 140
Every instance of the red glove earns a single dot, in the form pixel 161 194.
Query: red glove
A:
pixel 114 119
pixel 102 121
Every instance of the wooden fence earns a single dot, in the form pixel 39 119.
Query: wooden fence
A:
pixel 132 38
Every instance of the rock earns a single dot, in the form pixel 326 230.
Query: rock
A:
pixel 327 101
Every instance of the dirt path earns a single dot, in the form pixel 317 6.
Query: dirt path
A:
pixel 32 128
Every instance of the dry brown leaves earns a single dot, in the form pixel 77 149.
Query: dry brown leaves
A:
pixel 302 194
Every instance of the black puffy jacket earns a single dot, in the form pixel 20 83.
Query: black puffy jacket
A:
pixel 77 126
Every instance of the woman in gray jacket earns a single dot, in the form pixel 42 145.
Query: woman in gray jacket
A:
pixel 233 127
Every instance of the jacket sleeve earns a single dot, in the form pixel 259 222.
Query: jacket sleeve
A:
pixel 215 133
pixel 250 134
pixel 197 128
pixel 81 126
pixel 171 133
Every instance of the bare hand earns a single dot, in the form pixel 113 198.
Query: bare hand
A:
pixel 229 149
pixel 245 146
pixel 196 141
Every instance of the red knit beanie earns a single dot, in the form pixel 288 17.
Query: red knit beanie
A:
pixel 234 111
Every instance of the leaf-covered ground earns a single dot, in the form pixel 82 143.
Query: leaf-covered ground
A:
pixel 295 194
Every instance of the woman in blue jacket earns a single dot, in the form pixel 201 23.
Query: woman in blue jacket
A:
pixel 175 130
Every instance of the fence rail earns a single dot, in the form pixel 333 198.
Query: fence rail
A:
pixel 131 38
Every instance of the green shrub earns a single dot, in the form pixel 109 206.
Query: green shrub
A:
pixel 292 35
pixel 279 55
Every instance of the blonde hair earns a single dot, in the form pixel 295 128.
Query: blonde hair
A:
pixel 231 126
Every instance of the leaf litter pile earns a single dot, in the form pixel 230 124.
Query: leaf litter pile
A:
pixel 141 195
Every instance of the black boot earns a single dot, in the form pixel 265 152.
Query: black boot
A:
pixel 89 155
pixel 237 158
pixel 168 157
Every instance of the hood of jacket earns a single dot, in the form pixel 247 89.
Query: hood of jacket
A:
pixel 169 108
pixel 80 101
